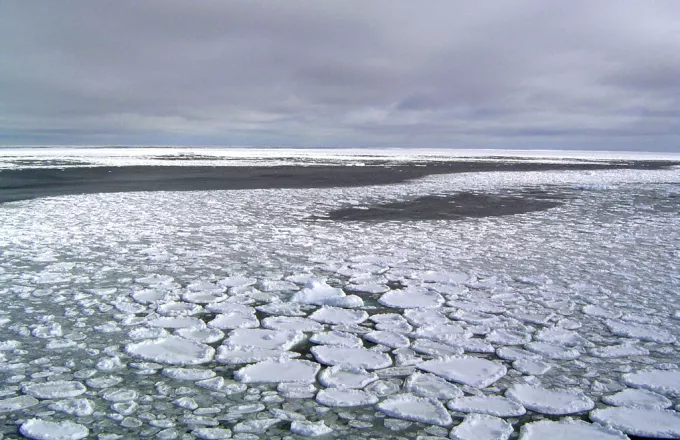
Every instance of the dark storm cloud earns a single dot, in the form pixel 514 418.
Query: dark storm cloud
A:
pixel 521 73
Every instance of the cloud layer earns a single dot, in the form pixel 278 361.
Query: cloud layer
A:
pixel 503 74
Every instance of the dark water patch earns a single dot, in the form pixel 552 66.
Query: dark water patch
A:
pixel 457 206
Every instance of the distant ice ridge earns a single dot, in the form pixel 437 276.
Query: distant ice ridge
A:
pixel 172 312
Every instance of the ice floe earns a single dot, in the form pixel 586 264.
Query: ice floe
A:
pixel 339 397
pixel 295 371
pixel 638 398
pixel 431 386
pixel 351 357
pixel 472 371
pixel 338 338
pixel 388 339
pixel 293 323
pixel 417 409
pixel 411 298
pixel 59 389
pixel 342 377
pixel 309 429
pixel 568 429
pixel 19 402
pixel 482 427
pixel 337 315
pixel 319 293
pixel 661 381
pixel 550 401
pixel 46 430
pixel 643 422
pixel 264 339
pixel 172 350
pixel 492 405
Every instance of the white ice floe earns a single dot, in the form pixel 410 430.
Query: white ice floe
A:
pixel 342 377
pixel 338 338
pixel 601 312
pixel 621 350
pixel 337 315
pixel 247 355
pixel 661 381
pixel 255 426
pixel 339 397
pixel 295 371
pixel 263 338
pixel 172 350
pixel 482 427
pixel 38 429
pixel 553 351
pixel 293 323
pixel 388 339
pixel 76 407
pixel 177 322
pixel 351 357
pixel 297 390
pixel 532 317
pixel 178 308
pixel 204 335
pixel 319 293
pixel 436 349
pixel 411 298
pixel 188 373
pixel 508 337
pixel 515 354
pixel 643 422
pixel 531 367
pixel 212 433
pixel 492 405
pixel 282 309
pixel 431 386
pixel 550 401
pixel 20 402
pixel 638 398
pixel 424 317
pixel 234 320
pixel 416 409
pixel 202 297
pixel 309 429
pixel 446 333
pixel 237 281
pixel 560 336
pixel 641 332
pixel 451 277
pixel 569 429
pixel 391 322
pixel 374 288
pixel 59 389
pixel 472 371
pixel 472 317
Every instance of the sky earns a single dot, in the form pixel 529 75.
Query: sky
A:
pixel 538 74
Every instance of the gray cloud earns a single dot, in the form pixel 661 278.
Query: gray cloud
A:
pixel 516 74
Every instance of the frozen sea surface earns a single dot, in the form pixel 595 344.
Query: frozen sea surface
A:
pixel 245 314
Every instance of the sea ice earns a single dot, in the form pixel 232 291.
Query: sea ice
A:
pixel 492 405
pixel 171 350
pixel 482 427
pixel 568 429
pixel 281 308
pixel 638 398
pixel 177 322
pixel 661 381
pixel 559 336
pixel 319 293
pixel 263 338
pixel 188 373
pixel 246 355
pixel 424 317
pixel 552 351
pixel 20 402
pixel 641 332
pixel 411 298
pixel 622 350
pixel 297 390
pixel 237 281
pixel 45 430
pixel 338 338
pixel 351 357
pixel 643 422
pixel 472 371
pixel 550 401
pixel 339 397
pixel 234 320
pixel 416 409
pixel 431 386
pixel 293 323
pixel 336 315
pixel 388 339
pixel 59 389
pixel 309 429
pixel 212 433
pixel 531 367
pixel 340 377
pixel 204 335
pixel 446 333
pixel 436 349
pixel 295 371
pixel 452 277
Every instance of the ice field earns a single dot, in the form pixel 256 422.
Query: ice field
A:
pixel 246 314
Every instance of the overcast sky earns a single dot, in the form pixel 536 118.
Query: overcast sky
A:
pixel 576 74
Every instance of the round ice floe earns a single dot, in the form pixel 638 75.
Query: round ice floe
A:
pixel 147 333
pixel 172 350
pixel 297 390
pixel 552 351
pixel 622 350
pixel 178 308
pixel 515 354
pixel 309 429
pixel 447 333
pixel 420 317
pixel 472 317
pixel 150 295
pixel 212 433
pixel 436 349
pixel 319 293
pixel 431 386
pixel 76 407
pixel 204 297
pixel 291 323
pixel 295 371
pixel 472 371
pixel 103 381
pixel 479 305
pixel 282 308
pixel 20 402
pixel 492 405
pixel 188 373
pixel 550 401
pixel 237 281
pixel 45 430
pixel 230 307
pixel 559 336
pixel 204 335
pixel 388 339
pixel 638 398
pixel 411 298
pixel 452 277
pixel 601 312
pixel 641 332
pixel 351 357
pixel 177 322
pixel 568 429
pixel 345 397
pixel 416 409
pixel 531 367
pixel 337 315
pixel 338 338
pixel 58 389
pixel 532 317
pixel 643 422
pixel 661 381
pixel 374 288
pixel 120 395
pixel 226 321
pixel 340 377
pixel 265 339
pixel 482 427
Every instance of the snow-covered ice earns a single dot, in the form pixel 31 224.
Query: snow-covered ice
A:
pixel 172 350
pixel 351 357
pixel 482 427
pixel 568 429
pixel 54 390
pixel 45 430
pixel 468 370
pixel 492 405
pixel 417 409
pixel 295 371
pixel 345 397
pixel 662 381
pixel 643 422
pixel 550 401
